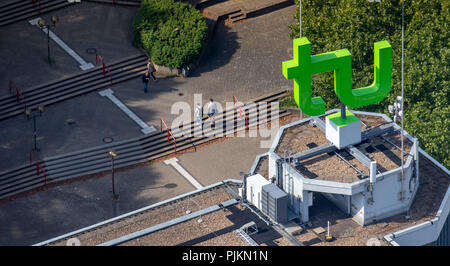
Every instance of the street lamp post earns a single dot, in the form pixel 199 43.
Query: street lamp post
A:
pixel 31 113
pixel 45 25
pixel 113 155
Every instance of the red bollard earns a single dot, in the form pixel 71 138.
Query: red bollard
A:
pixel 175 144
pixel 110 78
pixel 37 167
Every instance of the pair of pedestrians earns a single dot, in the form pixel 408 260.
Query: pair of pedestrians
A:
pixel 146 76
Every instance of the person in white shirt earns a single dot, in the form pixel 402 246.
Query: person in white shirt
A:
pixel 198 115
pixel 212 108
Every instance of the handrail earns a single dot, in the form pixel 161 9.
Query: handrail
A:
pixel 235 100
pixel 19 95
pixel 169 133
pixel 39 168
pixel 39 5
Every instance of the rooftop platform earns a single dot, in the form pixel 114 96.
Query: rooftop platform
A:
pixel 215 229
pixel 153 216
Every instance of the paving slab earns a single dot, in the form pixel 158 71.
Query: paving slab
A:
pixel 77 124
pixel 106 28
pixel 222 160
pixel 244 59
pixel 24 57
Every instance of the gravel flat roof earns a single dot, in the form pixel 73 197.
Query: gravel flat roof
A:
pixel 433 185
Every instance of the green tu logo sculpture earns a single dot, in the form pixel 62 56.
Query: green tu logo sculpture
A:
pixel 303 66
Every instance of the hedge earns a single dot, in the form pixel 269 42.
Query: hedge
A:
pixel 356 25
pixel 171 32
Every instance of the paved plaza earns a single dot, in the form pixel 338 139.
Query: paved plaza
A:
pixel 61 209
pixel 243 59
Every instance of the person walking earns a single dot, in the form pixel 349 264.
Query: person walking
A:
pixel 198 115
pixel 212 108
pixel 145 79
pixel 151 68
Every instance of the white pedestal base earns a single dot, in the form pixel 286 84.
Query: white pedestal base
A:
pixel 343 132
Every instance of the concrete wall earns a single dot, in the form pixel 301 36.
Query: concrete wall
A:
pixel 444 236
pixel 254 187
pixel 356 197
pixel 273 165
pixel 428 232
pixel 386 198
pixel 341 201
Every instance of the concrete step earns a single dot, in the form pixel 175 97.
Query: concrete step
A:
pixel 68 91
pixel 29 11
pixel 131 152
pixel 32 181
pixel 15 6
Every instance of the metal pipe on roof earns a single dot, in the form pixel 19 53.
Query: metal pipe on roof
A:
pixel 373 172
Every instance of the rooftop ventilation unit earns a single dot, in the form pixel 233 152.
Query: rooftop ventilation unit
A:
pixel 274 202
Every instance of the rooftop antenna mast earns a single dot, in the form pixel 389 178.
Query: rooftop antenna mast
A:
pixel 397 108
pixel 300 33
pixel 403 98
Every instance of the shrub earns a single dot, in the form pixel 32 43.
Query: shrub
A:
pixel 172 33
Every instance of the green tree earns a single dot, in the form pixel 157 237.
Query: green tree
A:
pixel 357 25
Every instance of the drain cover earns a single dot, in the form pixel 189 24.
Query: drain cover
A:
pixel 91 50
pixel 370 149
pixel 170 185
pixel 108 139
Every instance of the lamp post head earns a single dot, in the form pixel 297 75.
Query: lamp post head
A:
pixel 55 19
pixel 42 23
pixel 112 154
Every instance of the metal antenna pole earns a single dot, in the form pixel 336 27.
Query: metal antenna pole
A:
pixel 48 43
pixel 300 17
pixel 300 33
pixel 35 132
pixel 343 112
pixel 403 95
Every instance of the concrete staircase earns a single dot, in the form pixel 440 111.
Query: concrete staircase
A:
pixel 72 86
pixel 237 16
